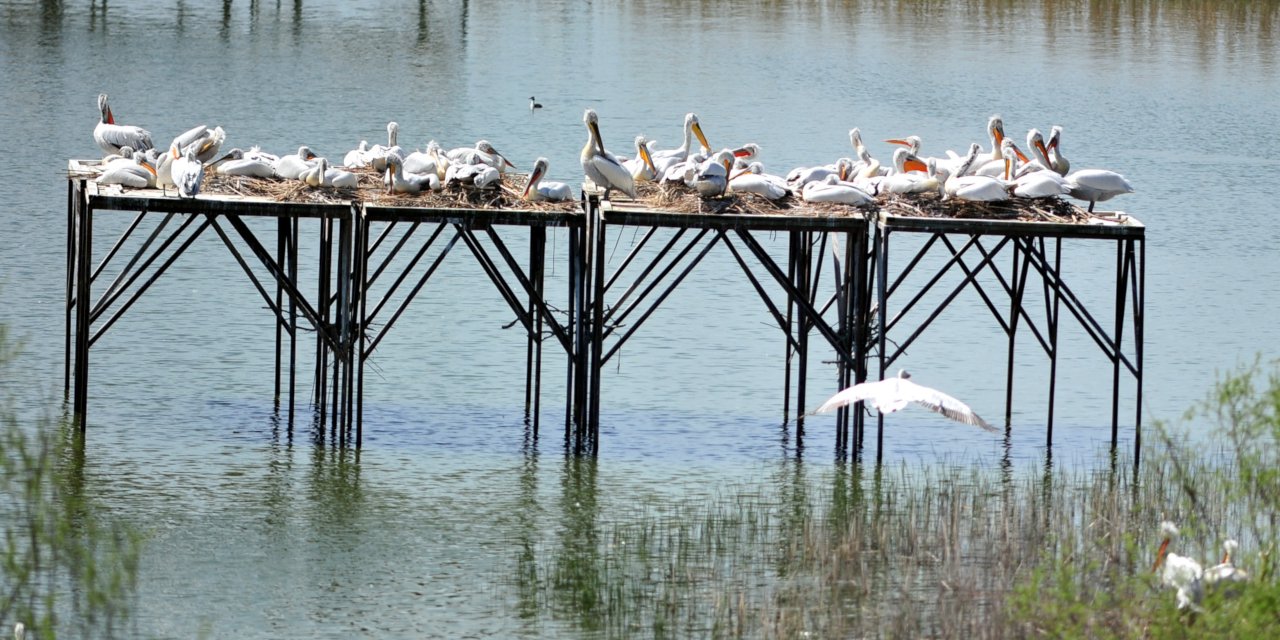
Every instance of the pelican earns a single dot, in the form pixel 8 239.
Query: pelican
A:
pixel 357 158
pixel 599 165
pixel 204 141
pixel 910 182
pixel 995 131
pixel 377 154
pixel 1096 185
pixel 893 394
pixel 975 188
pixel 479 176
pixel 713 175
pixel 482 153
pixel 429 161
pixel 832 189
pixel 538 191
pixel 753 179
pixel 111 136
pixel 134 172
pixel 911 161
pixel 683 172
pixel 641 167
pixel 1180 572
pixel 1225 571
pixel 321 175
pixel 187 171
pixel 746 154
pixel 294 165
pixel 534 104
pixel 1056 159
pixel 1036 184
pixel 238 163
pixel 801 176
pixel 400 182
pixel 691 128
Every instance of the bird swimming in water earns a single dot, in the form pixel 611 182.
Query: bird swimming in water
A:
pixel 534 104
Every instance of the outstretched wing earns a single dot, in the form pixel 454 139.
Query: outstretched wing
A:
pixel 856 393
pixel 942 403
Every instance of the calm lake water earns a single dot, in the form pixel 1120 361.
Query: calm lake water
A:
pixel 254 531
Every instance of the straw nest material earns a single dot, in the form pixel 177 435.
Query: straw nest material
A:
pixel 673 199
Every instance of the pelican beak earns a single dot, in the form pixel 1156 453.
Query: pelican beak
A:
pixel 741 152
pixel 310 155
pixel 728 166
pixel 595 132
pixel 1006 169
pixel 147 165
pixel 697 131
pixel 844 172
pixel 648 159
pixel 1040 145
pixel 899 141
pixel 506 161
pixel 533 179
pixel 1164 549
pixel 914 164
pixel 1021 156
pixel 111 119
pixel 173 149
pixel 1053 143
pixel 999 135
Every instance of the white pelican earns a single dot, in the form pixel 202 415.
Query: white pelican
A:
pixel 430 161
pixel 995 131
pixel 1180 572
pixel 292 166
pixel 692 128
pixel 975 188
pixel 713 176
pixel 912 161
pixel 832 189
pixel 599 165
pixel 641 167
pixel 134 172
pixel 357 158
pixel 204 141
pixel 746 154
pixel 322 176
pixel 534 104
pixel 111 136
pixel 893 394
pixel 1035 184
pixel 238 163
pixel 400 182
pixel 480 176
pixel 1225 571
pixel 683 172
pixel 1056 159
pixel 377 155
pixel 482 153
pixel 187 171
pixel 910 182
pixel 753 179
pixel 801 176
pixel 1096 185
pixel 538 191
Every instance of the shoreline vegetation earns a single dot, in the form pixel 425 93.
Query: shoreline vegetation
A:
pixel 947 550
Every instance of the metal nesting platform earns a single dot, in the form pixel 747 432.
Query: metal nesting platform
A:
pixel 371 265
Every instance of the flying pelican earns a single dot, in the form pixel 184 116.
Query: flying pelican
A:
pixel 1180 572
pixel 292 166
pixel 1225 571
pixel 538 191
pixel 134 172
pixel 975 188
pixel 832 189
pixel 111 136
pixel 599 165
pixel 691 128
pixel 534 104
pixel 188 172
pixel 1056 159
pixel 893 394
pixel 641 167
pixel 1096 185
pixel 400 182
pixel 753 179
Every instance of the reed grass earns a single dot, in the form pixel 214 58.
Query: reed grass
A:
pixel 950 550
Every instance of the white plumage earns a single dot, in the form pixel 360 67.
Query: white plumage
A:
pixel 893 394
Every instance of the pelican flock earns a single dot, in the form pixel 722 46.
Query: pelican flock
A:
pixel 1001 173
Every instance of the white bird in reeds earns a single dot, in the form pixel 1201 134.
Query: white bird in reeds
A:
pixel 1059 163
pixel 910 182
pixel 134 172
pixel 712 180
pixel 19 631
pixel 832 189
pixel 430 161
pixel 538 191
pixel 1179 572
pixel 377 155
pixel 974 188
pixel 292 166
pixel 842 169
pixel 641 167
pixel 357 158
pixel 111 136
pixel 893 394
pixel 753 179
pixel 400 181
pixel 1096 185
pixel 600 166
pixel 1226 572
pixel 187 170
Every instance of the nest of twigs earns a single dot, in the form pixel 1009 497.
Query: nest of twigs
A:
pixel 674 199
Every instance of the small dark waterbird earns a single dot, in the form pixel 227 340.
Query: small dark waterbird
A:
pixel 894 394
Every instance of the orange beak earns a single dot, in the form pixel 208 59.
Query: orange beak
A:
pixel 1164 548
pixel 1021 156
pixel 914 164
pixel 533 179
pixel 899 141
pixel 741 153
pixel 111 118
